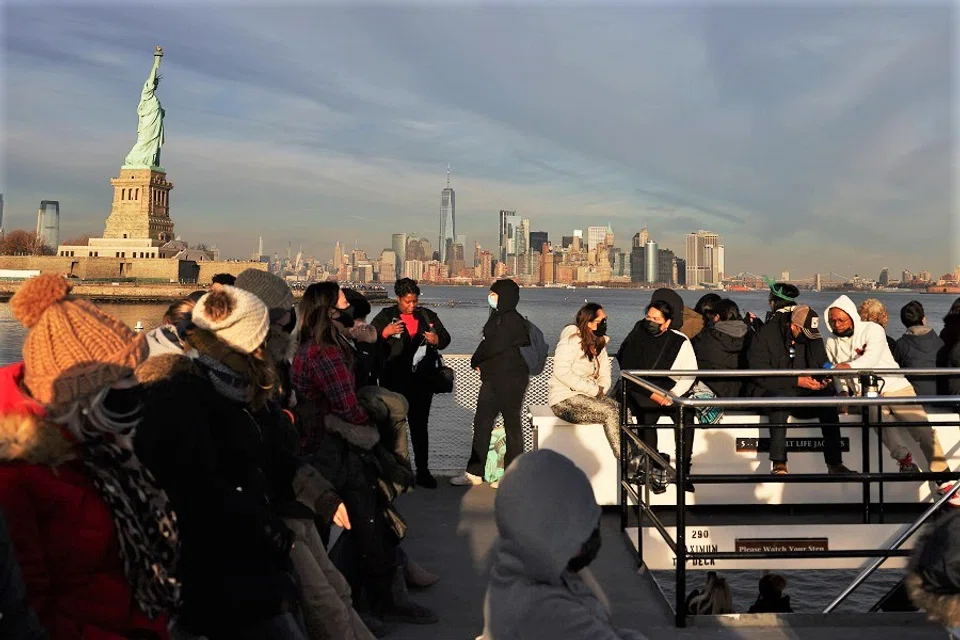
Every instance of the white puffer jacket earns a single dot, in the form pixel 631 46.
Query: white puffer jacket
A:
pixel 573 373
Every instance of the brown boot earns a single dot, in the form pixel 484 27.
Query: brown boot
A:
pixel 418 577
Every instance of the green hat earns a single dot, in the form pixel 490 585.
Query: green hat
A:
pixel 783 290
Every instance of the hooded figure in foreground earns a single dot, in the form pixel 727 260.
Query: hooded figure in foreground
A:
pixel 549 531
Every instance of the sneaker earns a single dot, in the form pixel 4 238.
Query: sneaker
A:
pixel 495 484
pixel 954 500
pixel 839 469
pixel 779 469
pixel 907 465
pixel 411 613
pixel 466 479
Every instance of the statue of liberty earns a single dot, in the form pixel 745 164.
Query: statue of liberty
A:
pixel 146 152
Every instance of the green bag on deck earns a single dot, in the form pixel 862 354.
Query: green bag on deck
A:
pixel 493 470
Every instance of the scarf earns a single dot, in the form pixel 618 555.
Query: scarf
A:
pixel 144 519
pixel 226 381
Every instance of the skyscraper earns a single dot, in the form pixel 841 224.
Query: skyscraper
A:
pixel 508 224
pixel 703 258
pixel 337 257
pixel 538 239
pixel 595 236
pixel 399 245
pixel 48 223
pixel 652 262
pixel 448 218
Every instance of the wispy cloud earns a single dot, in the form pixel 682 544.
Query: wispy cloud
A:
pixel 820 133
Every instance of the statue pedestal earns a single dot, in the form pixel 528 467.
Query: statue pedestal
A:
pixel 141 206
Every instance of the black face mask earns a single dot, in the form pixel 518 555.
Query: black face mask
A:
pixel 652 327
pixel 345 316
pixel 591 549
pixel 846 333
pixel 601 329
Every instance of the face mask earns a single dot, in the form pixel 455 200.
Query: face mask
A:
pixel 492 301
pixel 846 333
pixel 652 327
pixel 601 329
pixel 345 316
pixel 591 549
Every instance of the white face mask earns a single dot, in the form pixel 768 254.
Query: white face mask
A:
pixel 492 300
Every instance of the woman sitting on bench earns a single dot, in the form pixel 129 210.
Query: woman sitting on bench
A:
pixel 581 375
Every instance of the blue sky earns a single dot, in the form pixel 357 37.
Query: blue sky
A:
pixel 802 133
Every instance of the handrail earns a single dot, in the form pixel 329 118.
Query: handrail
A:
pixel 679 475
pixel 903 537
pixel 780 401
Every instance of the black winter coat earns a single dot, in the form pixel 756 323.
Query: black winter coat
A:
pixel 498 354
pixel 770 349
pixel 221 468
pixel 919 350
pixel 723 347
pixel 397 352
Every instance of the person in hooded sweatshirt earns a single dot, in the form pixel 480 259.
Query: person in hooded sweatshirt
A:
pixel 504 377
pixel 548 525
pixel 918 347
pixel 791 339
pixel 722 346
pixel 855 344
pixel 654 344
pixel 933 574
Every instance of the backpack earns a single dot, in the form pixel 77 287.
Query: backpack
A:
pixel 535 353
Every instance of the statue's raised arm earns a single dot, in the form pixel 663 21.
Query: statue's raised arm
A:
pixel 146 152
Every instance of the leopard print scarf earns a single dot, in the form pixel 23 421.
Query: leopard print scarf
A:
pixel 145 522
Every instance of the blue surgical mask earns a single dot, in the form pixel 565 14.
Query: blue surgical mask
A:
pixel 492 301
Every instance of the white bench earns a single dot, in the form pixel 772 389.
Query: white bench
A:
pixel 732 450
pixel 585 444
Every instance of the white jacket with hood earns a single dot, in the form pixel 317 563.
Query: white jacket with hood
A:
pixel 574 373
pixel 545 511
pixel 867 348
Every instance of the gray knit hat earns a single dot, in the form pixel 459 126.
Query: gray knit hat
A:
pixel 272 290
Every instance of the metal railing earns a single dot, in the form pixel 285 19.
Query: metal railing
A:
pixel 680 407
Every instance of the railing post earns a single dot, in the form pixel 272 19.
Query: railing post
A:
pixel 624 460
pixel 865 448
pixel 681 519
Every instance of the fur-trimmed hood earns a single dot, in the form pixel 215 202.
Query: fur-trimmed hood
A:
pixel 25 436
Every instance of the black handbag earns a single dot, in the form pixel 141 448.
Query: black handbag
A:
pixel 441 378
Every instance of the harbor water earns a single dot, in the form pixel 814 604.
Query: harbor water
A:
pixel 463 310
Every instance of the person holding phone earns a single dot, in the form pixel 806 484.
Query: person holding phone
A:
pixel 402 330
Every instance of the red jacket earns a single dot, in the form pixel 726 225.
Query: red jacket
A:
pixel 63 533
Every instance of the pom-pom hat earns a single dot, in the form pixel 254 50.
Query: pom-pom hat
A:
pixel 236 317
pixel 73 348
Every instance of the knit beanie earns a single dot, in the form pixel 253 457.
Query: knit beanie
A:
pixel 236 317
pixel 272 290
pixel 73 348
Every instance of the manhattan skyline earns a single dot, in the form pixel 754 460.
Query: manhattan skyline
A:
pixel 789 130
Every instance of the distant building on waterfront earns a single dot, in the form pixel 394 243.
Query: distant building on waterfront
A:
pixel 538 239
pixel 884 279
pixel 448 218
pixel 704 258
pixel 651 262
pixel 48 223
pixel 399 245
pixel 509 222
